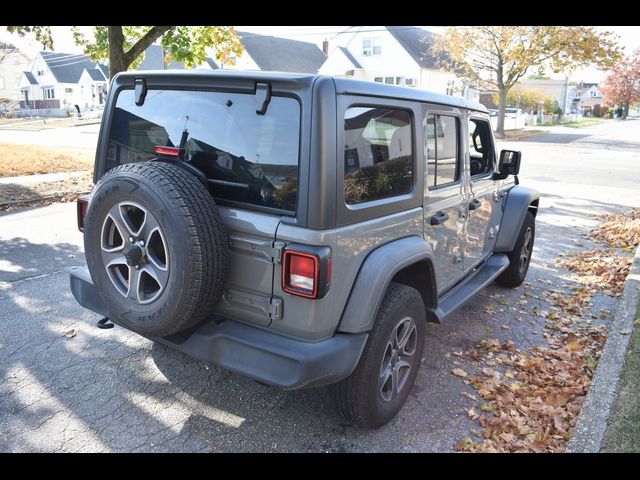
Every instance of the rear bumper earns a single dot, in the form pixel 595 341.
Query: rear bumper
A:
pixel 265 356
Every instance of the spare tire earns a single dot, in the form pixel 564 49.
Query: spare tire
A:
pixel 155 246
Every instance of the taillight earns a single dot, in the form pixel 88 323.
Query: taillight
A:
pixel 305 271
pixel 82 207
pixel 170 151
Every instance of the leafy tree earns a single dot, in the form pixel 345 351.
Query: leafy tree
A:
pixel 123 46
pixel 495 58
pixel 622 85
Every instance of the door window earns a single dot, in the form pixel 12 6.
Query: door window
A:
pixel 441 136
pixel 480 147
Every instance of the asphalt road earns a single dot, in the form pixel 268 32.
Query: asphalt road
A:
pixel 111 390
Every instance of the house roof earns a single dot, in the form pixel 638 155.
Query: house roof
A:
pixel 67 67
pixel 351 58
pixel 212 64
pixel 31 78
pixel 154 60
pixel 96 74
pixel 282 54
pixel 104 69
pixel 416 42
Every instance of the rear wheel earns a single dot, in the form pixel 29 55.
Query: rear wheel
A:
pixel 520 256
pixel 379 386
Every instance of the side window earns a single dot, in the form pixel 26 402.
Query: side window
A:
pixel 441 136
pixel 378 155
pixel 480 147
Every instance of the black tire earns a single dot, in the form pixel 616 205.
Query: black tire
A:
pixel 515 274
pixel 359 397
pixel 188 246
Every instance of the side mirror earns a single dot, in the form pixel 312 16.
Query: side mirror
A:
pixel 509 163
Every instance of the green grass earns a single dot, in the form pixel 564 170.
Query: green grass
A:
pixel 585 122
pixel 623 432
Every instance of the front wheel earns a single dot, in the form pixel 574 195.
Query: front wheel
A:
pixel 520 256
pixel 379 386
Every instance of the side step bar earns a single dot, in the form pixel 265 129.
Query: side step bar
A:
pixel 461 293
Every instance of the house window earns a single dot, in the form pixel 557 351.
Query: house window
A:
pixel 68 90
pixel 399 81
pixel 40 73
pixel 378 79
pixel 371 46
pixel 48 93
pixel 388 80
pixel 409 82
pixel 232 60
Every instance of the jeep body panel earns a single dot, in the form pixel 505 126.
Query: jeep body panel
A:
pixel 350 246
pixel 516 204
pixel 374 277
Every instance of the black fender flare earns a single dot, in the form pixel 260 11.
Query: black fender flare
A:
pixel 375 274
pixel 514 209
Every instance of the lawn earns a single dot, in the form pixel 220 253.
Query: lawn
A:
pixel 623 432
pixel 31 159
pixel 585 122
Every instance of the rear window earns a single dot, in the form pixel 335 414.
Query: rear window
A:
pixel 248 158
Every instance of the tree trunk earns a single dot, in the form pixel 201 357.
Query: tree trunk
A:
pixel 502 104
pixel 117 57
pixel 625 112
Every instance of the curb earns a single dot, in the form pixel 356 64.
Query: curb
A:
pixel 588 434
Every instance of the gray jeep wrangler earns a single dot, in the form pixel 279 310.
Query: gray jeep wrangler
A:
pixel 298 229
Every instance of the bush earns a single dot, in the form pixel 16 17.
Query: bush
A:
pixel 382 180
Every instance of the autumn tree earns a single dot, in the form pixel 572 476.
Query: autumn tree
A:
pixel 123 46
pixel 622 85
pixel 524 98
pixel 495 58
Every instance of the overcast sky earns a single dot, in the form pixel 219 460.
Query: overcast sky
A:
pixel 63 40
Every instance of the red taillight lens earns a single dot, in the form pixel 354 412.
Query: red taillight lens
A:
pixel 82 207
pixel 171 151
pixel 300 274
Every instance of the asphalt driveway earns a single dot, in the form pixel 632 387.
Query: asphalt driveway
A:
pixel 111 390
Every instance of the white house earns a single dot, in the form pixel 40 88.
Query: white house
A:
pixel 12 62
pixel 59 81
pixel 395 55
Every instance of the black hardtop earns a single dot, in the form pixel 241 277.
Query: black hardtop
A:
pixel 346 86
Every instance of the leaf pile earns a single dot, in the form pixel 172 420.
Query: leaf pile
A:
pixel 602 269
pixel 621 231
pixel 535 401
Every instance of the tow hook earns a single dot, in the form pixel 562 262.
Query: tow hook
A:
pixel 105 323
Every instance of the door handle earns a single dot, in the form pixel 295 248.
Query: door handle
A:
pixel 439 218
pixel 475 204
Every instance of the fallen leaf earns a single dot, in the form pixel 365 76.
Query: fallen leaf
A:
pixel 69 333
pixel 469 396
pixel 458 372
pixel 473 415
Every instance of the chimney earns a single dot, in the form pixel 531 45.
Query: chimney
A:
pixel 325 47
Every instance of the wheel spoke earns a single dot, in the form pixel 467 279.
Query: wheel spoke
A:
pixel 122 225
pixel 134 285
pixel 407 332
pixel 159 275
pixel 149 226
pixel 401 371
pixel 114 257
pixel 394 382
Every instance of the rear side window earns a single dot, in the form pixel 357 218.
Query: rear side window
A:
pixel 247 158
pixel 378 153
pixel 441 135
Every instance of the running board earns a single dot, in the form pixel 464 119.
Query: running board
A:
pixel 476 281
